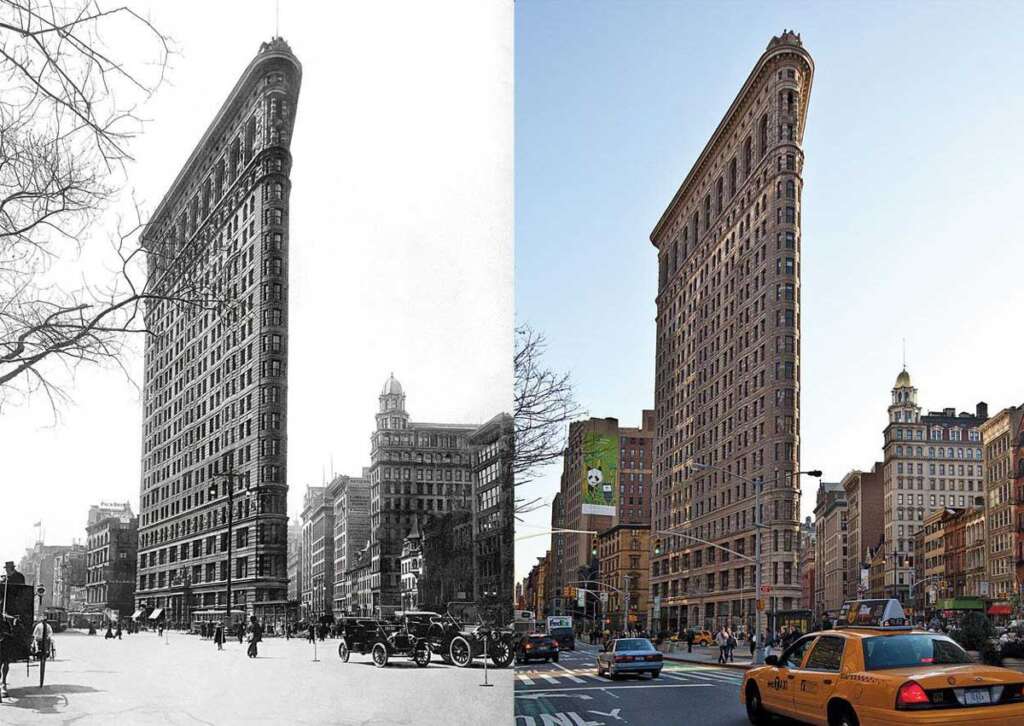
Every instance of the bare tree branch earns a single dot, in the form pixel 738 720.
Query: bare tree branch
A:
pixel 544 405
pixel 68 103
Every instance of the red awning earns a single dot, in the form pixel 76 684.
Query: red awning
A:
pixel 999 609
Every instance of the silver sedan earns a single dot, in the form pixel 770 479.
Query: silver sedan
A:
pixel 629 655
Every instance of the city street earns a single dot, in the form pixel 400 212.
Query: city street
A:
pixel 141 680
pixel 570 693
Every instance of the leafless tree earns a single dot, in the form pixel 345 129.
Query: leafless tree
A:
pixel 544 406
pixel 74 281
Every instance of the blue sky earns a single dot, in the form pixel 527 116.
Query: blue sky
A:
pixel 911 204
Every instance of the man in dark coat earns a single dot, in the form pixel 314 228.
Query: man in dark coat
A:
pixel 255 635
pixel 13 576
pixel 218 637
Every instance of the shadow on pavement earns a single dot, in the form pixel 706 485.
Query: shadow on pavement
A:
pixel 49 699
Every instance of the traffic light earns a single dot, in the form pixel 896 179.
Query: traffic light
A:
pixel 657 548
pixel 593 551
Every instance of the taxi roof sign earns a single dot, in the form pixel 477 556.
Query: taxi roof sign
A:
pixel 877 613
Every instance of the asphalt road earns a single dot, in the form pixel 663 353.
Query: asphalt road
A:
pixel 570 693
pixel 144 680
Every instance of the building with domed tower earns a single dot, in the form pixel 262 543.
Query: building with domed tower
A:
pixel 932 461
pixel 418 472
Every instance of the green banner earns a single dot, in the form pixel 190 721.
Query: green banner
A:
pixel 600 474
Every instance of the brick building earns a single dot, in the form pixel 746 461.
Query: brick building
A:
pixel 864 521
pixel 1003 442
pixel 113 549
pixel 623 553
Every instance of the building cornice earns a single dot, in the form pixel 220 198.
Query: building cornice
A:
pixel 275 50
pixel 776 49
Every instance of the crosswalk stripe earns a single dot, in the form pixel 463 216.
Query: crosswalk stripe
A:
pixel 714 677
pixel 523 678
pixel 549 679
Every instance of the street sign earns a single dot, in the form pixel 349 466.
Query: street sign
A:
pixel 581 597
pixel 604 598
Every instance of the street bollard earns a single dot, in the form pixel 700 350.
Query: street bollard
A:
pixel 487 652
pixel 315 659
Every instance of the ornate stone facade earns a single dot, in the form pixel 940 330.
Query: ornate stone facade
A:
pixel 215 386
pixel 727 390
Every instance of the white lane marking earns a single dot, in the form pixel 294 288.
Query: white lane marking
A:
pixel 523 678
pixel 534 692
pixel 572 677
pixel 713 677
pixel 549 679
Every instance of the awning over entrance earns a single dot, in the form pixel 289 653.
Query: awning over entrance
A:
pixel 155 615
pixel 1000 608
pixel 136 614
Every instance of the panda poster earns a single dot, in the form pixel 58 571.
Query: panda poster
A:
pixel 600 474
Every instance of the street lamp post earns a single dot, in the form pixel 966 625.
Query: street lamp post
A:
pixel 757 559
pixel 229 475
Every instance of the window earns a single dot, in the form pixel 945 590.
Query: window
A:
pixel 827 654
pixel 794 655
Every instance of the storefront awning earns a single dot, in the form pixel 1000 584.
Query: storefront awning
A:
pixel 136 614
pixel 155 615
pixel 1000 608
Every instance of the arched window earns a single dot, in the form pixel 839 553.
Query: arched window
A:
pixel 763 134
pixel 790 189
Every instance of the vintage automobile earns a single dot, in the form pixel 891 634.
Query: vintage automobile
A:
pixel 873 668
pixel 382 639
pixel 629 655
pixel 460 635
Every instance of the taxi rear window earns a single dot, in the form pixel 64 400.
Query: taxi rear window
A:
pixel 912 649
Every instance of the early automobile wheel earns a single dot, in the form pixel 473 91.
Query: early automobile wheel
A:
pixel 502 654
pixel 421 656
pixel 755 708
pixel 460 652
pixel 379 655
pixel 343 651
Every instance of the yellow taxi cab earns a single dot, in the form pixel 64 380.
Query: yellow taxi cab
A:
pixel 873 669
pixel 703 637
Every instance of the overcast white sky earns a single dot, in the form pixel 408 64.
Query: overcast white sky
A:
pixel 401 240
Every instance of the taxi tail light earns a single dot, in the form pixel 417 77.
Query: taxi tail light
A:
pixel 911 695
pixel 1012 693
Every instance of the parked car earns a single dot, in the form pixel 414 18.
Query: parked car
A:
pixel 537 646
pixel 460 635
pixel 382 639
pixel 703 637
pixel 629 655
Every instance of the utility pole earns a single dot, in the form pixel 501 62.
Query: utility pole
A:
pixel 229 475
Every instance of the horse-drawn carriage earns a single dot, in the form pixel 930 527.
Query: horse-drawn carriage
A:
pixel 382 639
pixel 20 638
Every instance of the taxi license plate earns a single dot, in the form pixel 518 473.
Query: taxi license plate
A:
pixel 977 696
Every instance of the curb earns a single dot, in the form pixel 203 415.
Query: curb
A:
pixel 737 666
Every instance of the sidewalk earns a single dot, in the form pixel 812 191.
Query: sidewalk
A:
pixel 705 655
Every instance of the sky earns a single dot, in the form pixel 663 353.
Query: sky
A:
pixel 401 241
pixel 912 188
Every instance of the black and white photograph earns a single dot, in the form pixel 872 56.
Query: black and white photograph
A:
pixel 256 342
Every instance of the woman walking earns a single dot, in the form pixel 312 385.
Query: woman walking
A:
pixel 218 637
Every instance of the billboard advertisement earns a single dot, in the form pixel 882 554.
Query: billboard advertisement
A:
pixel 600 473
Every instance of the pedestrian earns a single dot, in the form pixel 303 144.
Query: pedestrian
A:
pixel 752 644
pixel 689 640
pixel 311 631
pixel 255 635
pixel 109 634
pixel 240 632
pixel 730 645
pixel 722 639
pixel 119 630
pixel 218 636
